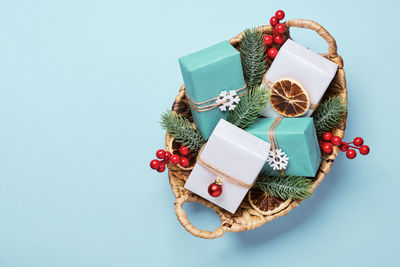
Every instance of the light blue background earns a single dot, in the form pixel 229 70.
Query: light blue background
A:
pixel 82 85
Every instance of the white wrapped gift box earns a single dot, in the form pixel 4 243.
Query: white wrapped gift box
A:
pixel 232 151
pixel 313 71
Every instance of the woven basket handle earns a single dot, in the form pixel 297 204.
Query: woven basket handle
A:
pixel 183 219
pixel 312 25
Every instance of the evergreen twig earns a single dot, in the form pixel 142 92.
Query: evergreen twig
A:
pixel 284 187
pixel 329 114
pixel 182 130
pixel 249 108
pixel 252 53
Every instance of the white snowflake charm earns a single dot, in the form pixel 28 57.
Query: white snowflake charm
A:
pixel 278 160
pixel 227 100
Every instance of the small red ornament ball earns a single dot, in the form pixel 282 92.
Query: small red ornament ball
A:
pixel 344 147
pixel 168 155
pixel 268 40
pixel 364 150
pixel 155 164
pixel 272 52
pixel 161 168
pixel 160 154
pixel 336 141
pixel 328 136
pixel 184 150
pixel 175 159
pixel 280 28
pixel 274 21
pixel 327 148
pixel 184 162
pixel 351 154
pixel 280 14
pixel 215 190
pixel 358 141
pixel 278 39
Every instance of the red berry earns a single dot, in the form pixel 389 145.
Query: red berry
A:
pixel 161 168
pixel 280 28
pixel 351 154
pixel 358 141
pixel 175 159
pixel 278 39
pixel 215 190
pixel 344 147
pixel 160 154
pixel 184 162
pixel 184 150
pixel 280 14
pixel 274 21
pixel 272 52
pixel 327 148
pixel 328 136
pixel 155 164
pixel 364 150
pixel 336 141
pixel 268 40
pixel 168 155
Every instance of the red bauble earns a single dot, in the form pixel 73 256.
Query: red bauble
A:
pixel 268 40
pixel 162 167
pixel 168 155
pixel 280 28
pixel 272 52
pixel 175 159
pixel 351 154
pixel 280 14
pixel 184 150
pixel 344 147
pixel 336 141
pixel 160 154
pixel 328 136
pixel 184 162
pixel 278 39
pixel 327 148
pixel 358 141
pixel 155 164
pixel 274 21
pixel 364 150
pixel 215 189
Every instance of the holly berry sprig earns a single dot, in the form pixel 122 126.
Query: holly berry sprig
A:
pixel 165 156
pixel 277 34
pixel 328 141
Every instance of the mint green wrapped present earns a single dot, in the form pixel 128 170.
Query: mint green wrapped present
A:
pixel 214 81
pixel 296 137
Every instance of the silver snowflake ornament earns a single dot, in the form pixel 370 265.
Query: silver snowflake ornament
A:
pixel 278 160
pixel 227 100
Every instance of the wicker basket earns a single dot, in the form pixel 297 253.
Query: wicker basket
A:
pixel 246 218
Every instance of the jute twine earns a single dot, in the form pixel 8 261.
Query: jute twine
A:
pixel 246 218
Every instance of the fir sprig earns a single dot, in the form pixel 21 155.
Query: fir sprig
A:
pixel 329 114
pixel 285 187
pixel 252 53
pixel 182 130
pixel 249 107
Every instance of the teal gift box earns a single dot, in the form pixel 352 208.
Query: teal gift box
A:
pixel 206 73
pixel 298 139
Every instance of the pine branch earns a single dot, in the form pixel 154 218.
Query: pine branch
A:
pixel 249 108
pixel 182 130
pixel 329 114
pixel 252 52
pixel 285 187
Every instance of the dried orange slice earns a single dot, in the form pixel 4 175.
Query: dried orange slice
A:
pixel 289 98
pixel 266 204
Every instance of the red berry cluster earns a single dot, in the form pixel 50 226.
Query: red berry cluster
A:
pixel 166 157
pixel 277 36
pixel 328 141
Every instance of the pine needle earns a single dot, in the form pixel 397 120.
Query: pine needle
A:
pixel 182 130
pixel 284 187
pixel 329 114
pixel 249 108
